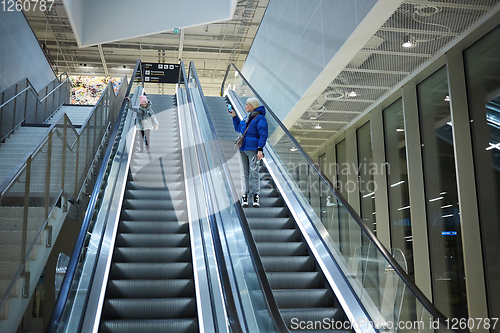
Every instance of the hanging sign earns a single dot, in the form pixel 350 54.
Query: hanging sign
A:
pixel 160 73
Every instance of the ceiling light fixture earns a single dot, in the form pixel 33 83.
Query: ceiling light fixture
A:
pixel 353 94
pixel 293 149
pixel 447 98
pixel 318 126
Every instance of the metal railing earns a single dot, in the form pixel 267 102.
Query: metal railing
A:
pixel 59 168
pixel 22 103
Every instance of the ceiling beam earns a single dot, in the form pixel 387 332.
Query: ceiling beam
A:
pixel 181 45
pixel 103 60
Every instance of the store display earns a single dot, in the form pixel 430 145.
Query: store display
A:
pixel 86 90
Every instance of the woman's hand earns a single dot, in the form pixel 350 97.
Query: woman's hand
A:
pixel 233 113
pixel 260 155
pixel 127 98
pixel 156 127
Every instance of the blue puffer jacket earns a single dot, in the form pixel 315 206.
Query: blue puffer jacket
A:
pixel 256 135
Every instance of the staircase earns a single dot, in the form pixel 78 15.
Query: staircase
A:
pixel 78 114
pixel 151 286
pixel 298 285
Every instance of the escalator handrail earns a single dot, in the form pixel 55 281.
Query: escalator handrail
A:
pixel 278 322
pixel 70 272
pixel 232 313
pixel 397 268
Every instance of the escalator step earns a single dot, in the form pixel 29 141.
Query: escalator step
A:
pixel 162 177
pixel 147 215
pixel 294 280
pixel 267 213
pixel 152 185
pixel 152 240
pixel 154 271
pixel 310 314
pixel 278 223
pixel 149 326
pixel 288 264
pixel 154 193
pixel 271 235
pixel 147 227
pixel 303 298
pixel 281 249
pixel 152 254
pixel 150 288
pixel 156 308
pixel 158 203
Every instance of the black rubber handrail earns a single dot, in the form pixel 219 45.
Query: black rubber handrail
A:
pixel 278 322
pixel 427 304
pixel 70 272
pixel 232 313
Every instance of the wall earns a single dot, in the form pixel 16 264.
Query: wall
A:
pixel 295 41
pixel 20 53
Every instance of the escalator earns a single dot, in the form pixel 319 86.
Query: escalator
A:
pixel 298 284
pixel 150 286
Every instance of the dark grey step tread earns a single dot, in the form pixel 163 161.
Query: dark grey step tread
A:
pixel 153 227
pixel 267 212
pixel 152 185
pixel 158 167
pixel 159 308
pixel 272 235
pixel 294 280
pixel 288 263
pixel 277 223
pixel 152 254
pixel 310 314
pixel 164 177
pixel 147 215
pixel 154 193
pixel 154 204
pixel 151 271
pixel 281 249
pixel 266 201
pixel 150 288
pixel 152 240
pixel 303 298
pixel 149 326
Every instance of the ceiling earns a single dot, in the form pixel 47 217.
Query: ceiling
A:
pixel 211 47
pixel 383 63
pixel 380 66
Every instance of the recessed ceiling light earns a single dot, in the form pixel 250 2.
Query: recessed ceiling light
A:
pixel 317 126
pixel 353 94
pixel 447 98
pixel 293 149
pixel 408 44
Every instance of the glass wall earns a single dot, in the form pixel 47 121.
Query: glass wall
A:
pixel 397 182
pixel 443 219
pixel 365 176
pixel 482 68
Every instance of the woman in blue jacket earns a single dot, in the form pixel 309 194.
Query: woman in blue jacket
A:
pixel 251 151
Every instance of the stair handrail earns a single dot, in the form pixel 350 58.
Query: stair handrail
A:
pixel 30 86
pixel 427 304
pixel 271 304
pixel 13 176
pixel 72 265
pixel 39 101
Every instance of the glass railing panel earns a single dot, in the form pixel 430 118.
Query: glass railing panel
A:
pixel 385 296
pixel 246 277
pixel 12 204
pixel 38 192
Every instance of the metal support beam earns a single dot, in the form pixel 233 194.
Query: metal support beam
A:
pixel 103 60
pixel 181 45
